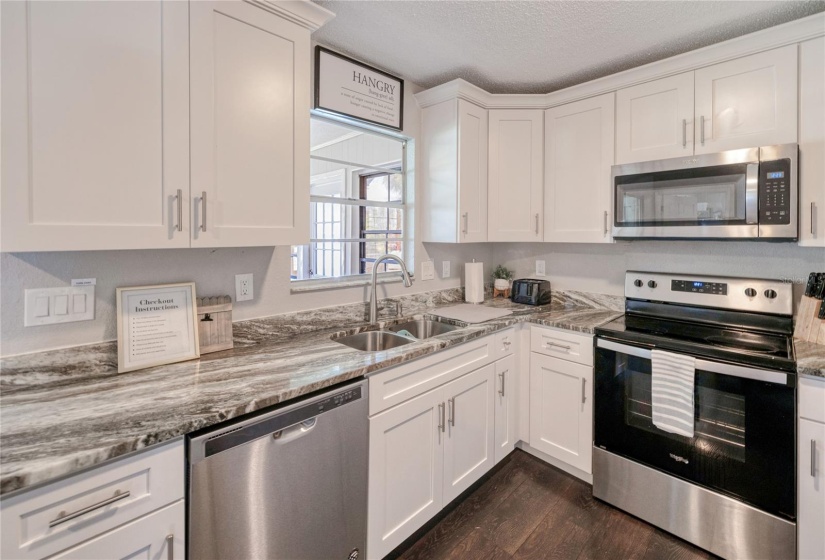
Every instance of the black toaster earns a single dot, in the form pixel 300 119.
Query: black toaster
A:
pixel 531 291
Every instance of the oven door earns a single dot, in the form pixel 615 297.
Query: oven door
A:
pixel 743 445
pixel 710 196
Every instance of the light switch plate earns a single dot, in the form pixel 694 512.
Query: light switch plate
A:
pixel 244 290
pixel 46 306
pixel 445 269
pixel 540 268
pixel 427 270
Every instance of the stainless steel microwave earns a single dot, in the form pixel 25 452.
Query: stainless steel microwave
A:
pixel 739 194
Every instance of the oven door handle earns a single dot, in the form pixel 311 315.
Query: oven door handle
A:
pixel 769 376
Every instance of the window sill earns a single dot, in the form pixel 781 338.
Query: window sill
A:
pixel 314 285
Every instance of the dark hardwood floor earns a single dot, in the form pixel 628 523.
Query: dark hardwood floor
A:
pixel 530 510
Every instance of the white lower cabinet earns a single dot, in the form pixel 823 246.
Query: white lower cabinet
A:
pixel 561 410
pixel 811 469
pixel 406 460
pixel 505 409
pixel 159 535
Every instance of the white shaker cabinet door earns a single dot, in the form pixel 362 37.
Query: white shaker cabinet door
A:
pixel 516 175
pixel 249 72
pixel 579 140
pixel 469 448
pixel 654 120
pixel 561 410
pixel 406 461
pixel 95 136
pixel 472 172
pixel 506 406
pixel 811 481
pixel 812 143
pixel 747 102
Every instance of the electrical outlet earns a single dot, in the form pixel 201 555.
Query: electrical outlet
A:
pixel 427 270
pixel 540 268
pixel 243 287
pixel 445 269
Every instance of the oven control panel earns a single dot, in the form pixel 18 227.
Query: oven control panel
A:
pixel 743 294
pixel 774 192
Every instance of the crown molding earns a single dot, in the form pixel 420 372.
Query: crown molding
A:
pixel 793 32
pixel 302 12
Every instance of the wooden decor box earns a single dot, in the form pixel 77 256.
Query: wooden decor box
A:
pixel 215 323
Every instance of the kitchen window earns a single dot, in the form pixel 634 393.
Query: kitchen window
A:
pixel 357 203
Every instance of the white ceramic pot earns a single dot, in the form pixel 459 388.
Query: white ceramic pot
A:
pixel 501 284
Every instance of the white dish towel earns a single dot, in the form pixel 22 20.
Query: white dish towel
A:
pixel 672 392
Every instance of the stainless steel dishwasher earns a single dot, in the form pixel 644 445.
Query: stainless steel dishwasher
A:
pixel 287 485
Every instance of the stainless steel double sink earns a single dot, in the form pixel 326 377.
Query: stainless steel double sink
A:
pixel 395 336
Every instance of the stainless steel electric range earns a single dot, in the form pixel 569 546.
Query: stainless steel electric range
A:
pixel 730 488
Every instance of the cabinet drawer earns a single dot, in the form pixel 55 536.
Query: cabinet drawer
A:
pixel 91 503
pixel 394 386
pixel 574 347
pixel 505 343
pixel 812 399
pixel 151 536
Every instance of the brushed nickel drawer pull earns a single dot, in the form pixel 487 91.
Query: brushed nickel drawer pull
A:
pixel 203 211
pixel 605 222
pixel 702 128
pixel 813 458
pixel 170 547
pixel 441 421
pixel 548 344
pixel 452 411
pixel 179 198
pixel 466 217
pixel 63 517
pixel 812 217
pixel 684 133
pixel 501 375
pixel 584 395
pixel 537 223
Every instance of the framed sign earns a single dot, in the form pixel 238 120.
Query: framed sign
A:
pixel 156 325
pixel 350 88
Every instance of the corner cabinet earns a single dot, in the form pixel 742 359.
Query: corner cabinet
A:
pixel 516 175
pixel 743 103
pixel 454 138
pixel 175 124
pixel 578 156
pixel 812 143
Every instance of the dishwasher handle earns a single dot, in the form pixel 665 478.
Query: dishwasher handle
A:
pixel 283 425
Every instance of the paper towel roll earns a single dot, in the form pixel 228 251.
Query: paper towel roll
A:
pixel 474 282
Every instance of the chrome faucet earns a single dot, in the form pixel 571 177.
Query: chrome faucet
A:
pixel 373 299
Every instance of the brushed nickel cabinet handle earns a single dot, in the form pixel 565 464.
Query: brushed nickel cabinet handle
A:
pixel 452 411
pixel 684 133
pixel 813 458
pixel 203 211
pixel 502 376
pixel 63 517
pixel 605 222
pixel 813 206
pixel 441 417
pixel 584 395
pixel 702 129
pixel 466 217
pixel 537 223
pixel 179 199
pixel 553 344
pixel 170 547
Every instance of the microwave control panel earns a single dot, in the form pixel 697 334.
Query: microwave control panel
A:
pixel 774 192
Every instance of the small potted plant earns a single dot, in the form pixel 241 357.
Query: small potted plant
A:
pixel 502 277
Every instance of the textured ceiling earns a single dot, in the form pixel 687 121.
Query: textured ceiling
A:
pixel 514 46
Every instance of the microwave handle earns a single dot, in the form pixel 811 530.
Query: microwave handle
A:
pixel 744 372
pixel 752 194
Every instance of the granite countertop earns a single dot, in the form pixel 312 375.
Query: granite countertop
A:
pixel 810 358
pixel 65 410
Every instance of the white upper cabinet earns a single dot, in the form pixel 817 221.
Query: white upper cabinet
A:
pixel 454 137
pixel 516 175
pixel 250 127
pixel 743 103
pixel 747 102
pixel 654 120
pixel 578 156
pixel 95 134
pixel 812 143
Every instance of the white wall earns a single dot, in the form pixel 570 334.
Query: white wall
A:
pixel 212 270
pixel 600 268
